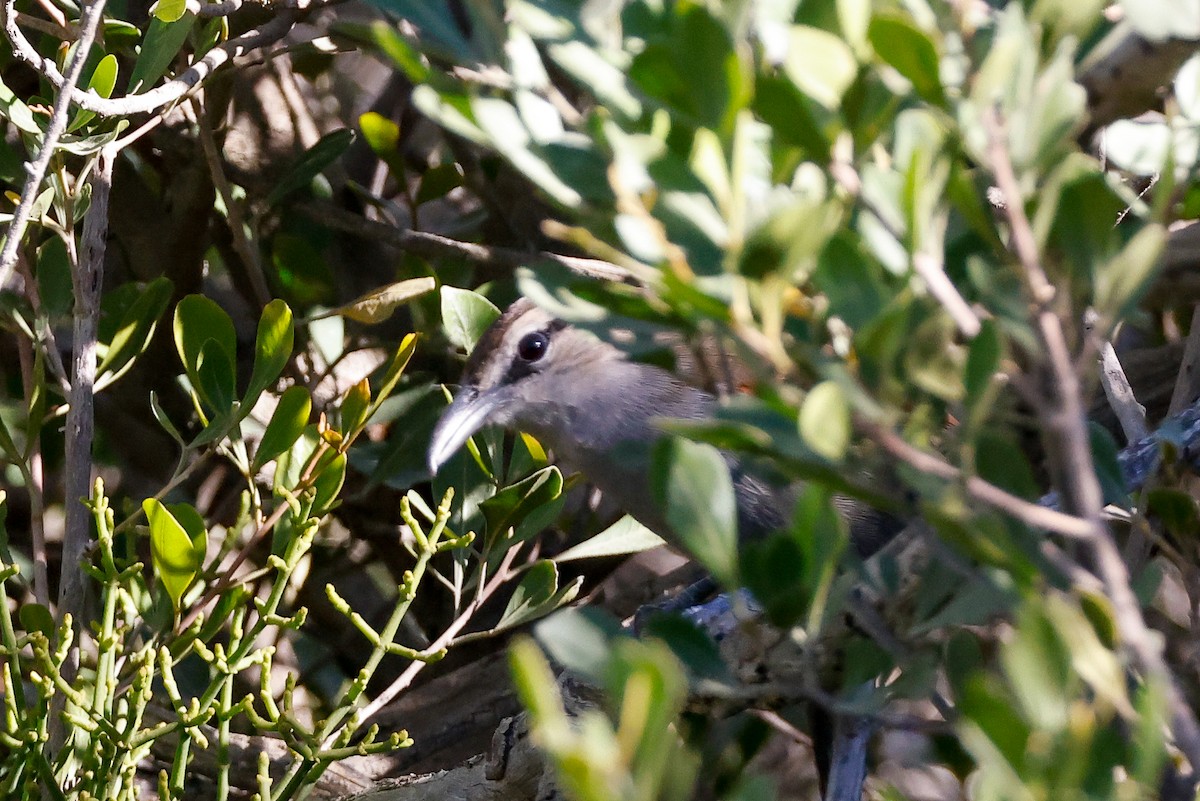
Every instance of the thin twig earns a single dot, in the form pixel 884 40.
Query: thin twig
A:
pixel 933 273
pixel 1130 414
pixel 1187 384
pixel 433 246
pixel 37 483
pixel 35 170
pixel 1026 511
pixel 160 96
pixel 233 210
pixel 925 264
pixel 1073 471
pixel 445 639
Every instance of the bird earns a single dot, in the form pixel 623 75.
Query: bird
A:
pixel 597 412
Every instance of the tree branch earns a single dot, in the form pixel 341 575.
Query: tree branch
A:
pixel 93 12
pixel 1065 425
pixel 434 246
pixel 160 96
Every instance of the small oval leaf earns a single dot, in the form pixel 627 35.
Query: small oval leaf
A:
pixel 177 544
pixel 286 426
pixel 825 420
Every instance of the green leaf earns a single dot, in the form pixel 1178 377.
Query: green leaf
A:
pixel 198 320
pixel 159 48
pixel 1000 461
pixel 327 484
pixel 393 45
pixel 580 640
pixel 379 304
pixel 169 10
pixel 536 596
pixel 286 426
pixel 1038 666
pixel 692 483
pixel 983 360
pixel 437 181
pixel 36 618
pixel 165 422
pixel 303 273
pixel 272 349
pixel 381 134
pixel 1108 468
pixel 908 50
pixel 691 644
pixel 327 150
pixel 625 536
pixel 1121 280
pixel 395 369
pixel 103 80
pixel 529 505
pixel 356 405
pixel 934 360
pixel 465 316
pixel 538 690
pixel 178 541
pixel 1177 511
pixel 216 379
pixel 54 278
pixel 820 64
pixel 17 112
pixel 137 327
pixel 825 420
pixel 773 570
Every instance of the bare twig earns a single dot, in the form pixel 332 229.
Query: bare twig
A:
pixel 433 246
pixel 925 264
pixel 1130 414
pixel 87 278
pixel 486 590
pixel 160 96
pixel 1064 425
pixel 37 484
pixel 933 273
pixel 233 210
pixel 1187 385
pixel 1027 512
pixel 35 170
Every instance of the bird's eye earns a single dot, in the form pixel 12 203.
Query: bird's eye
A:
pixel 533 346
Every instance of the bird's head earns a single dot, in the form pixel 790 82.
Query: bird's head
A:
pixel 524 372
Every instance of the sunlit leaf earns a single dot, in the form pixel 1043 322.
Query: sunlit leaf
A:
pixel 177 544
pixel 465 316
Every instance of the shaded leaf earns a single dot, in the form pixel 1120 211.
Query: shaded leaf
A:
pixel 379 304
pixel 326 151
pixel 692 483
pixel 908 50
pixel 286 425
pixel 537 595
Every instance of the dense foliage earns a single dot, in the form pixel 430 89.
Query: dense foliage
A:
pixel 245 257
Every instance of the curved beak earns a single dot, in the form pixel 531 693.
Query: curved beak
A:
pixel 466 414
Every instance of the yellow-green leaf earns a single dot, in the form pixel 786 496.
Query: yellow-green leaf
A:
pixel 177 544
